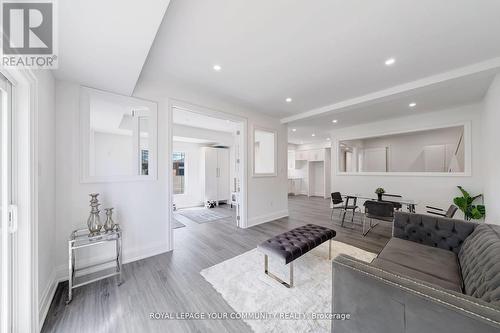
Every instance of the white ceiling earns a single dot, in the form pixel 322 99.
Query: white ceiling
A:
pixel 193 119
pixel 328 55
pixel 317 52
pixel 465 90
pixel 104 44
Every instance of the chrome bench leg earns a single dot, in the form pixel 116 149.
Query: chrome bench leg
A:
pixel 268 273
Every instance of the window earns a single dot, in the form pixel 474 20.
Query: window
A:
pixel 144 161
pixel 178 171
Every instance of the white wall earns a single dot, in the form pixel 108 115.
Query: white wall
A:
pixel 46 189
pixel 140 206
pixel 491 138
pixel 267 196
pixel 428 190
pixel 193 195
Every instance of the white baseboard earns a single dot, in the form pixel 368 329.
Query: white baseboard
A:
pixel 46 298
pixel 128 256
pixel 267 218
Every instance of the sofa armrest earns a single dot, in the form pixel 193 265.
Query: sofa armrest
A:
pixel 379 301
pixel 445 233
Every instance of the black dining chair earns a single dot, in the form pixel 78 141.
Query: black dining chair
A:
pixel 441 212
pixel 352 207
pixel 397 205
pixel 336 201
pixel 377 210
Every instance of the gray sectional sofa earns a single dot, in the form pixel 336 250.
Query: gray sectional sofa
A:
pixel 434 275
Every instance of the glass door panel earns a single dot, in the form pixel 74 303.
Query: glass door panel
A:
pixel 6 213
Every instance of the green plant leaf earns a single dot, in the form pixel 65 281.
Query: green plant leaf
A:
pixel 465 204
pixel 461 203
pixel 475 213
pixel 476 197
pixel 464 192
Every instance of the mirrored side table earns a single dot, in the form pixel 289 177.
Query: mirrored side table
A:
pixel 81 239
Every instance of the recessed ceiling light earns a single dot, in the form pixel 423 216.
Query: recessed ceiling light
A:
pixel 412 105
pixel 334 121
pixel 288 100
pixel 313 134
pixel 390 62
pixel 327 139
pixel 217 68
pixel 294 130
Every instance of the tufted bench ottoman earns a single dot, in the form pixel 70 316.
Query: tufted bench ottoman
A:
pixel 292 244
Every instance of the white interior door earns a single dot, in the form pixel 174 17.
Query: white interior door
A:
pixel 223 187
pixel 8 212
pixel 211 174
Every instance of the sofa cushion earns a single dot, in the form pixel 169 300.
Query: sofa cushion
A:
pixel 431 261
pixel 414 274
pixel 480 263
pixel 447 234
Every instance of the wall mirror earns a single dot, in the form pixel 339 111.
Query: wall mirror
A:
pixel 433 151
pixel 118 137
pixel 264 152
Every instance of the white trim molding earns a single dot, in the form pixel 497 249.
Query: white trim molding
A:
pixel 47 297
pixel 25 195
pixel 267 218
pixel 61 273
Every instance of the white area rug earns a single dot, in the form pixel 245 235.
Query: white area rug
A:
pixel 242 283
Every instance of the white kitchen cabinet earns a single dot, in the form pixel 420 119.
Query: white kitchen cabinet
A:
pixel 316 155
pixel 216 165
pixel 301 155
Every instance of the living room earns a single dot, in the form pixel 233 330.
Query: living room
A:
pixel 273 166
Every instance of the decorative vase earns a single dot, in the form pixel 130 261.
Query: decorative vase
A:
pixel 109 224
pixel 94 222
pixel 379 196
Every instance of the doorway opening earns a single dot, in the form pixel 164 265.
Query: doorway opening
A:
pixel 208 167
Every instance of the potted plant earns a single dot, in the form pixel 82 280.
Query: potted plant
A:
pixel 465 204
pixel 379 191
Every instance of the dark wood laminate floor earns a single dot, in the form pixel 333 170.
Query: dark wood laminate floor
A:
pixel 171 282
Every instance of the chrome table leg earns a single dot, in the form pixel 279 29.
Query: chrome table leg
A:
pixel 119 258
pixel 71 270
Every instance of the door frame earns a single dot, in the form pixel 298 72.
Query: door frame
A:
pixel 179 104
pixel 25 310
